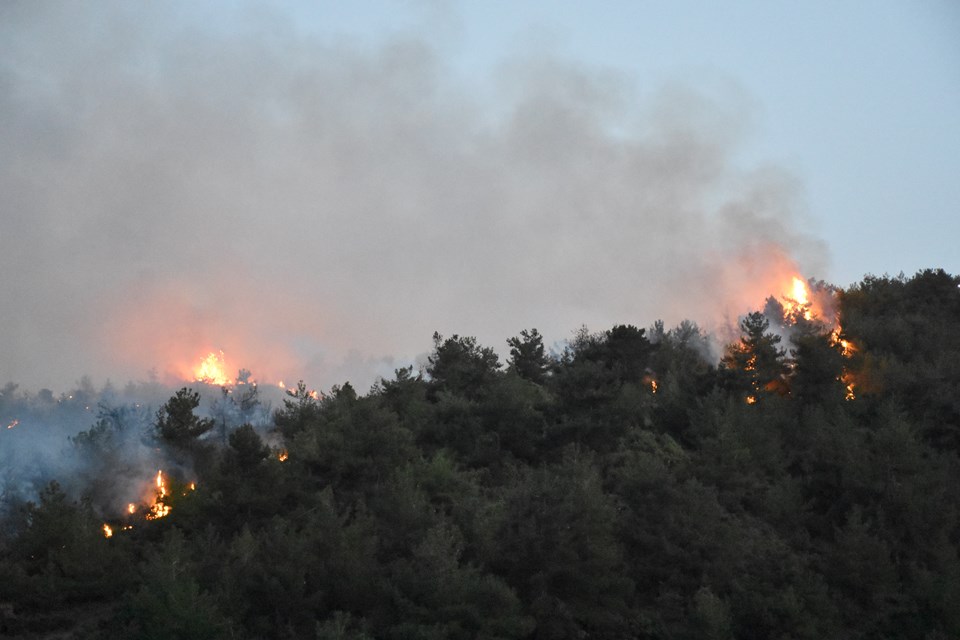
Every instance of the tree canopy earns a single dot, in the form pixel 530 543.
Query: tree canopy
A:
pixel 806 485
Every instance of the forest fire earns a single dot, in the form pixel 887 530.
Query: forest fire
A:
pixel 799 292
pixel 803 310
pixel 213 370
pixel 158 509
pixel 850 395
pixel 797 301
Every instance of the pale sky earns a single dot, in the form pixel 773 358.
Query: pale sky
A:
pixel 314 188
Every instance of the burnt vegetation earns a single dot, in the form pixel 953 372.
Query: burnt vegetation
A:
pixel 807 486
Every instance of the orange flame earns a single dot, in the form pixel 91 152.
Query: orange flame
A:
pixel 213 370
pixel 800 292
pixel 796 300
pixel 850 394
pixel 107 531
pixel 282 455
pixel 158 509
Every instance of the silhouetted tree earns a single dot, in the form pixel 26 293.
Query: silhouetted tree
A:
pixel 528 357
pixel 177 424
pixel 459 365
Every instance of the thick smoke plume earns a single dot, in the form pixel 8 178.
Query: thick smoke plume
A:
pixel 308 205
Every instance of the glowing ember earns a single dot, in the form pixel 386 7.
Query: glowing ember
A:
pixel 213 370
pixel 847 348
pixel 282 455
pixel 193 486
pixel 107 531
pixel 653 386
pixel 751 399
pixel 850 395
pixel 131 508
pixel 158 510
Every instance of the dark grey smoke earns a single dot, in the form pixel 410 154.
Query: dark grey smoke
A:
pixel 171 187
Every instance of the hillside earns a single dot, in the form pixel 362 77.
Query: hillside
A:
pixel 807 485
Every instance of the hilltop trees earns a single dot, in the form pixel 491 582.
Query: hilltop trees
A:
pixel 460 366
pixel 528 357
pixel 625 488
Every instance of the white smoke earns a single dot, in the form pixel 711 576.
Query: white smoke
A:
pixel 316 208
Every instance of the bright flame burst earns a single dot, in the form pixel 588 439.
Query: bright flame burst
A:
pixel 107 531
pixel 158 509
pixel 796 300
pixel 213 370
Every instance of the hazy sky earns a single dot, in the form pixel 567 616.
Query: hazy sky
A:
pixel 315 188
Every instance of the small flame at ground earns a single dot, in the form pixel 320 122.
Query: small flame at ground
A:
pixel 282 455
pixel 158 509
pixel 850 395
pixel 107 531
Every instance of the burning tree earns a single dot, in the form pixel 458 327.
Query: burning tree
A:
pixel 756 361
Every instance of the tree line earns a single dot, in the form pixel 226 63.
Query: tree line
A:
pixel 806 486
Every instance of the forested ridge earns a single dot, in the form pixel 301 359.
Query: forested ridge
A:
pixel 806 486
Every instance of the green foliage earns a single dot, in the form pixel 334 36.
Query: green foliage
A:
pixel 248 447
pixel 625 489
pixel 755 365
pixel 177 425
pixel 169 603
pixel 461 366
pixel 528 357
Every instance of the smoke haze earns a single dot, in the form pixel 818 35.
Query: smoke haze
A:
pixel 317 208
